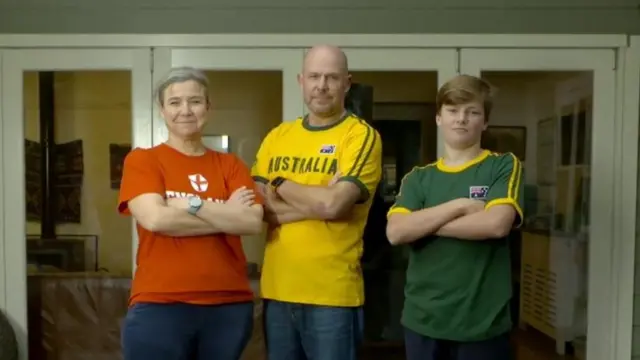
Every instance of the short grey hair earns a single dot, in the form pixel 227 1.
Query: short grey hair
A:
pixel 180 75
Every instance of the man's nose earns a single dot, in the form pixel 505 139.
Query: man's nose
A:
pixel 323 82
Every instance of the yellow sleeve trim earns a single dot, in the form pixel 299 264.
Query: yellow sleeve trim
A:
pixel 398 210
pixel 364 152
pixel 507 201
pixel 514 178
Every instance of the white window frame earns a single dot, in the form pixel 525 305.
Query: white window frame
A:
pixel 14 64
pixel 602 270
pixel 625 255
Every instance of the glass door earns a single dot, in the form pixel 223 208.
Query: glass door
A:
pixel 252 91
pixel 402 81
pixel 69 117
pixel 397 90
pixel 555 109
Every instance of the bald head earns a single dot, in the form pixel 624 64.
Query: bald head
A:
pixel 325 80
pixel 327 55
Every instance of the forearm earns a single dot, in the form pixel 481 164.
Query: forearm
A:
pixel 332 202
pixel 307 198
pixel 279 212
pixel 177 222
pixel 231 219
pixel 409 227
pixel 481 225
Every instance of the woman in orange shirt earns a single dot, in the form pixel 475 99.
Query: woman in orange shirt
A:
pixel 190 295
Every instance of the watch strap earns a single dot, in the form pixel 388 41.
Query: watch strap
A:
pixel 275 183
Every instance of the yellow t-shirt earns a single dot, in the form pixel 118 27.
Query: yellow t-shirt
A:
pixel 312 261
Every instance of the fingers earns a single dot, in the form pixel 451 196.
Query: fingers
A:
pixel 239 190
pixel 335 178
pixel 243 196
pixel 263 189
pixel 249 198
pixel 243 193
pixel 268 191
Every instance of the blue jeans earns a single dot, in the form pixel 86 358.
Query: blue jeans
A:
pixel 420 347
pixel 310 332
pixel 186 332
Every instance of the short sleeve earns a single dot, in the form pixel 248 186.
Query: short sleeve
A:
pixel 260 168
pixel 361 161
pixel 239 175
pixel 140 175
pixel 411 196
pixel 507 187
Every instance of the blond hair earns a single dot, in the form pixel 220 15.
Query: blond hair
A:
pixel 464 89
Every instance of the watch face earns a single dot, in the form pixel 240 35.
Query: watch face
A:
pixel 195 201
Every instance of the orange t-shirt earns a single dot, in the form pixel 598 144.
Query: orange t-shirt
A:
pixel 209 269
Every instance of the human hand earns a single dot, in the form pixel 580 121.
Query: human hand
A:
pixel 242 197
pixel 269 195
pixel 469 206
pixel 271 218
pixel 335 178
pixel 262 188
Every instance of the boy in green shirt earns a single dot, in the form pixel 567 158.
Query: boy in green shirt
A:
pixel 456 214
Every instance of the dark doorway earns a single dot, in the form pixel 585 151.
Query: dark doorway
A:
pixel 408 140
pixel 384 266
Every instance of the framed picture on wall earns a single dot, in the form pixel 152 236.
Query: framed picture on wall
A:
pixel 506 139
pixel 117 154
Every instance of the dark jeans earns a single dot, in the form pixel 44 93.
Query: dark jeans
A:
pixel 421 347
pixel 186 332
pixel 310 332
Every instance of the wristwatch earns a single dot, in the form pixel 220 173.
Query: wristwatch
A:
pixel 275 183
pixel 195 203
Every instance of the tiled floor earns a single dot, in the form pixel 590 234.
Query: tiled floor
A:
pixel 528 345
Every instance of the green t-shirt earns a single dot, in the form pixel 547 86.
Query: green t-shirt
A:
pixel 460 289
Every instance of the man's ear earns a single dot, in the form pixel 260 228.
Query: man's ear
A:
pixel 348 84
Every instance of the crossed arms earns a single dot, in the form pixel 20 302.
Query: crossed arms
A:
pixel 142 195
pixel 359 171
pixel 296 202
pixel 170 217
pixel 462 218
